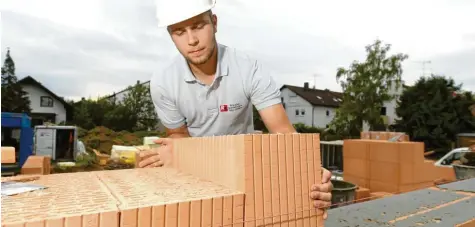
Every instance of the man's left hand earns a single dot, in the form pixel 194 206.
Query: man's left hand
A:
pixel 321 194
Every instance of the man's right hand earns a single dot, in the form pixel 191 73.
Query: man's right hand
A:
pixel 157 157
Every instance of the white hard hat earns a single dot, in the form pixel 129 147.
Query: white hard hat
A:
pixel 173 11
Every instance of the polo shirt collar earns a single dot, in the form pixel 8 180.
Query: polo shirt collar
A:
pixel 222 68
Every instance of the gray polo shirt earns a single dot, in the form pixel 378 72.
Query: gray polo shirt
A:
pixel 222 108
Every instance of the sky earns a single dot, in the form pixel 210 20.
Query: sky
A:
pixel 91 48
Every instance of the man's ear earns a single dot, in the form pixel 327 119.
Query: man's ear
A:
pixel 214 20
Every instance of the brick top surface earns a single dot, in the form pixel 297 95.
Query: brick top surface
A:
pixel 68 194
pixel 157 186
pixel 75 194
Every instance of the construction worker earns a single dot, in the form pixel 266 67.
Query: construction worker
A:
pixel 210 89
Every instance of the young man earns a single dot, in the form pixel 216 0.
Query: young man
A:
pixel 210 89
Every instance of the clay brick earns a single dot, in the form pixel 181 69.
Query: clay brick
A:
pixel 356 167
pixel 266 177
pixel 206 211
pixel 258 186
pixel 365 135
pixel 275 188
pixel 297 179
pixel 383 151
pixel 218 211
pixel 171 215
pixel 283 186
pixel 238 210
pixel 158 216
pixel 378 195
pixel 290 179
pixel 228 211
pixel 362 194
pixel 8 155
pixel 379 186
pixel 411 152
pixel 37 165
pixel 469 223
pixel 358 149
pixel 385 172
pixel 144 217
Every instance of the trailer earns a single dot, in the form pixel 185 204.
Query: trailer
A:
pixel 57 142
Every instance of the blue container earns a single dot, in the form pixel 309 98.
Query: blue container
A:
pixel 23 122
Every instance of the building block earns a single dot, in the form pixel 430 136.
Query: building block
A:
pixel 362 194
pixel 392 167
pixel 272 170
pixel 242 180
pixel 36 164
pixel 8 155
pixel 382 135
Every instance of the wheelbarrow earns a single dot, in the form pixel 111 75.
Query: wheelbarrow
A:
pixel 463 172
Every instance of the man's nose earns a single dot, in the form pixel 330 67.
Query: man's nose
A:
pixel 192 39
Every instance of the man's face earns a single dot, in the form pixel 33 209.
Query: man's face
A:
pixel 195 37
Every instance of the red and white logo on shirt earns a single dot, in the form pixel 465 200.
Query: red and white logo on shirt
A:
pixel 223 108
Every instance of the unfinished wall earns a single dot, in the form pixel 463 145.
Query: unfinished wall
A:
pixel 381 135
pixel 246 180
pixel 275 171
pixel 393 167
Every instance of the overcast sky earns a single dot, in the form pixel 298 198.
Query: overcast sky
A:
pixel 95 47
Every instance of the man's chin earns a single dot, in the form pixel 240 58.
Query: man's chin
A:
pixel 197 61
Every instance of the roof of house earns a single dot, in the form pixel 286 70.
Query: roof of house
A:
pixel 317 97
pixel 30 80
pixel 126 89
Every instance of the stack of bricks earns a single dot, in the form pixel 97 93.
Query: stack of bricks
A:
pixel 393 167
pixel 275 171
pixel 382 135
pixel 245 180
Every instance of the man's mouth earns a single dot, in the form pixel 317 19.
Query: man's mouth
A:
pixel 196 51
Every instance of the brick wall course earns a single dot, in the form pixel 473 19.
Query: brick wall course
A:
pixel 393 167
pixel 245 180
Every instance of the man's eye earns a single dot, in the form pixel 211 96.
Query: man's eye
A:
pixel 178 32
pixel 200 25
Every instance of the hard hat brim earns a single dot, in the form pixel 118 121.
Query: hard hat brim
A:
pixel 184 16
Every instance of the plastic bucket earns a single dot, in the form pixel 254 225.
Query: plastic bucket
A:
pixel 463 172
pixel 343 193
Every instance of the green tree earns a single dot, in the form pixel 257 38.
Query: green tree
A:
pixel 14 98
pixel 140 105
pixel 366 86
pixel 82 116
pixel 434 111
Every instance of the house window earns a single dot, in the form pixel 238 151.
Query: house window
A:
pixel 296 112
pixel 302 112
pixel 46 101
pixel 328 113
pixel 383 111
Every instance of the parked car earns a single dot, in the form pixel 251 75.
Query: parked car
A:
pixel 453 155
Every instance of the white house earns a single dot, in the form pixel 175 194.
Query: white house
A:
pixel 46 106
pixel 388 112
pixel 310 106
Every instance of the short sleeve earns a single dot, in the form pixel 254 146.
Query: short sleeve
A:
pixel 264 91
pixel 165 107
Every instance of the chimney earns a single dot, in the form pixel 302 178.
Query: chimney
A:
pixel 305 86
